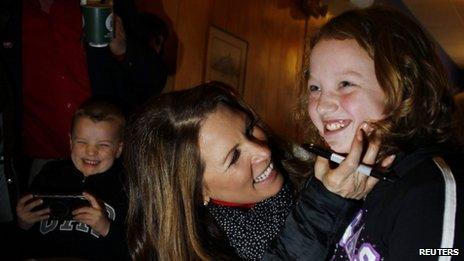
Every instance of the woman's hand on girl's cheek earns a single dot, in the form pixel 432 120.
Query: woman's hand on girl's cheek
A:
pixel 345 180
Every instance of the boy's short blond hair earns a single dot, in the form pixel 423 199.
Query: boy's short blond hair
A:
pixel 99 110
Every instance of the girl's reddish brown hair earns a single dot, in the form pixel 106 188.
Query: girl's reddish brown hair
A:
pixel 418 104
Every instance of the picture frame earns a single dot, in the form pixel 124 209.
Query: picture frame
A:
pixel 226 59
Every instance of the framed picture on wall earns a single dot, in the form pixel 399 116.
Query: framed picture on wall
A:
pixel 226 59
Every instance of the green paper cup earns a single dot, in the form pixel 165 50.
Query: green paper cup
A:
pixel 98 24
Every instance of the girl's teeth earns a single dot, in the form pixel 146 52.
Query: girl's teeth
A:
pixel 265 174
pixel 334 126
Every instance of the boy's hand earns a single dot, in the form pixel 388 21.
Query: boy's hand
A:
pixel 26 217
pixel 94 216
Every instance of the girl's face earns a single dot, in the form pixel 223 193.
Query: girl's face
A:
pixel 238 165
pixel 343 91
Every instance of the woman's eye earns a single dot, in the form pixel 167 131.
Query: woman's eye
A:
pixel 314 88
pixel 104 145
pixel 345 84
pixel 235 157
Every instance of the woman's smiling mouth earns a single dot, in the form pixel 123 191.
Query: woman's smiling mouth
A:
pixel 263 176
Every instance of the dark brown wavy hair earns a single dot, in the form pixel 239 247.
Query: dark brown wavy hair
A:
pixel 418 96
pixel 166 216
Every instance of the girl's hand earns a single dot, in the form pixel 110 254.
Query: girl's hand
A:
pixel 345 180
pixel 26 217
pixel 94 215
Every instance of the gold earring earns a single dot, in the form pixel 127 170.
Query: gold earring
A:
pixel 205 202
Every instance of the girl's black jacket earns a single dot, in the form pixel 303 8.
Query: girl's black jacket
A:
pixel 314 225
pixel 419 216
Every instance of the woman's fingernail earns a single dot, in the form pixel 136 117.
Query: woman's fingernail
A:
pixel 367 128
pixel 388 161
pixel 392 158
pixel 359 135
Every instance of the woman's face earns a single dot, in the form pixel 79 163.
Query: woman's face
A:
pixel 238 167
pixel 343 91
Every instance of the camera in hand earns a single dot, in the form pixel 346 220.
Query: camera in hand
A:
pixel 61 206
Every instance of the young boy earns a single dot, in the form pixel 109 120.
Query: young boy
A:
pixel 96 231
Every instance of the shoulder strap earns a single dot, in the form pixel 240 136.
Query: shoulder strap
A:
pixel 449 214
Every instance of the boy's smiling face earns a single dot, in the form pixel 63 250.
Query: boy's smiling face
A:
pixel 95 145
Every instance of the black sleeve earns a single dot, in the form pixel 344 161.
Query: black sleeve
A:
pixel 127 10
pixel 116 239
pixel 57 177
pixel 117 242
pixel 42 181
pixel 104 79
pixel 145 73
pixel 313 227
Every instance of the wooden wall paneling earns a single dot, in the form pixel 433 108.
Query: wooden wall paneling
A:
pixel 275 43
pixel 193 22
pixel 275 50
pixel 288 38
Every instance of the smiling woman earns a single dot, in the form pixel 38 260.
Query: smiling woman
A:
pixel 198 159
pixel 238 164
pixel 208 180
